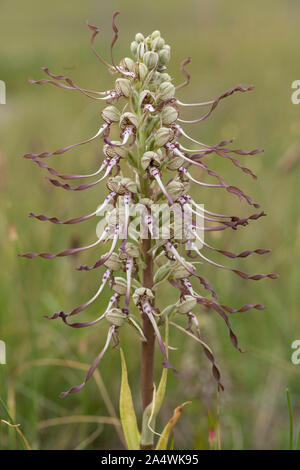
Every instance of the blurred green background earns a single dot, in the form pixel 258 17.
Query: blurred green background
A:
pixel 230 42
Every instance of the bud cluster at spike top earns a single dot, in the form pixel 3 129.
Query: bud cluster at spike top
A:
pixel 143 106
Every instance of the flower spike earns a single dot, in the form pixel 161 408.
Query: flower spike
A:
pixel 149 165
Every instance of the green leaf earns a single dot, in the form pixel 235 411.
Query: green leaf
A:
pixel 127 413
pixel 148 425
pixel 163 441
pixel 152 410
pixel 172 443
pixel 160 394
pixel 162 273
pixel 12 424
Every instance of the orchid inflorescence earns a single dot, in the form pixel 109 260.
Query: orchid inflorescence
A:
pixel 150 145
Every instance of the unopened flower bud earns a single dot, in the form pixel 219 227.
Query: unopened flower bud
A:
pixel 169 115
pixel 180 271
pixel 158 43
pixel 164 56
pixel 140 51
pixel 165 77
pixel 186 305
pixel 166 90
pixel 123 86
pixel 162 273
pixel 116 317
pixel 133 48
pixel 174 163
pixel 150 158
pixel 163 136
pixel 128 64
pixel 175 189
pixel 128 119
pixel 155 34
pixel 139 37
pixel 142 71
pixel 110 114
pixel 119 285
pixel 150 59
pixel 154 44
pixel 114 263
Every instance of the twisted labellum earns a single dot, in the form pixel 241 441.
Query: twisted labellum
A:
pixel 142 105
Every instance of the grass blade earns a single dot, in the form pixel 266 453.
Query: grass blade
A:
pixel 11 423
pixel 290 418
pixel 127 413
